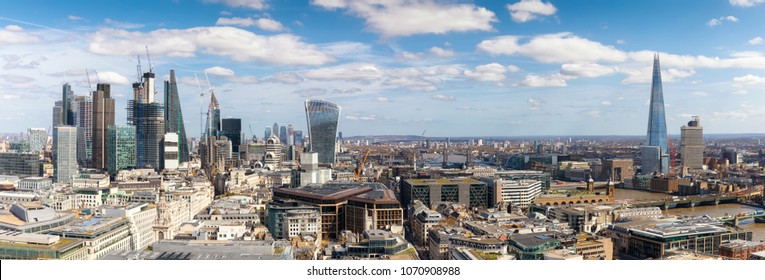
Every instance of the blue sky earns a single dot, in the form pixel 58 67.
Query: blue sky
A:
pixel 455 68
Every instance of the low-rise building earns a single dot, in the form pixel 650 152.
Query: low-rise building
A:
pixel 100 235
pixel 141 217
pixel 532 246
pixel 740 249
pixel 30 217
pixel 34 184
pixel 211 250
pixel 33 246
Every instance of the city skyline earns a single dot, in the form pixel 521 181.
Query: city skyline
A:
pixel 507 69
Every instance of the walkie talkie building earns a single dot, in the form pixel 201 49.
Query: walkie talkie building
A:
pixel 322 118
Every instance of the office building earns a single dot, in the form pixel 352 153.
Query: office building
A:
pixel 84 120
pixel 515 193
pixel 730 154
pixel 102 235
pixel 34 184
pixel 64 153
pixel 283 134
pixel 692 144
pixel 57 113
pixel 290 218
pixel 232 129
pixel 618 170
pixel 37 140
pixel 33 246
pixel 469 192
pixel 267 133
pixel 103 117
pixel 174 117
pixel 275 130
pixel 378 209
pixel 67 106
pixel 20 164
pixel 310 172
pixel 650 159
pixel 657 124
pixel 290 135
pixel 322 119
pixel 273 157
pixel 121 148
pixel 170 156
pixel 148 117
pixel 141 218
pixel 298 138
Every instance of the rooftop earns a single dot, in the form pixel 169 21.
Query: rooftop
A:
pixel 91 225
pixel 532 239
pixel 443 181
pixel 329 191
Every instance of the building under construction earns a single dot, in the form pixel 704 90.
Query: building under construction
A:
pixel 148 117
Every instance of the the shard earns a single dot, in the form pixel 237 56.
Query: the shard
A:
pixel 174 117
pixel 657 127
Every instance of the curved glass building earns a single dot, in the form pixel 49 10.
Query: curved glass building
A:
pixel 322 118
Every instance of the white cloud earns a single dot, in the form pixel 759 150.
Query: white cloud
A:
pixel 748 80
pixel 269 24
pixel 112 78
pixel 755 41
pixel 250 4
pixel 9 96
pixel 606 103
pixel 527 10
pixel 414 78
pixel 720 20
pixel 382 99
pixel 411 17
pixel 746 3
pixel 535 104
pixel 554 48
pixel 554 80
pixel 238 44
pixel 586 70
pixel 17 79
pixel 595 113
pixel 443 97
pixel 73 17
pixel 439 52
pixel 493 72
pixel 359 117
pixel 245 22
pixel 364 72
pixel 219 71
pixel 14 34
pixel 621 42
pixel 699 93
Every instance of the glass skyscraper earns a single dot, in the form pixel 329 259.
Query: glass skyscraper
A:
pixel 121 145
pixel 657 123
pixel 213 117
pixel 322 118
pixel 232 129
pixel 174 117
pixel 64 153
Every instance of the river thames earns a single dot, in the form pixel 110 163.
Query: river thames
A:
pixel 758 230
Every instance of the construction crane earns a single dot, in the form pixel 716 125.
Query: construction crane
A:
pixel 423 133
pixel 90 86
pixel 357 172
pixel 201 106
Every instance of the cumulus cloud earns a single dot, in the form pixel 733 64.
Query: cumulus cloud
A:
pixel 285 78
pixel 262 23
pixel 238 44
pixel 755 41
pixel 720 20
pixel 250 4
pixel 534 104
pixel 443 97
pixel 432 52
pixel 14 34
pixel 112 78
pixel 74 18
pixel 439 52
pixel 360 117
pixel 18 62
pixel 414 78
pixel 554 80
pixel 606 103
pixel 748 80
pixel 219 71
pixel 411 17
pixel 527 10
pixel 589 70
pixel 382 99
pixel 17 79
pixel 493 72
pixel 746 3
pixel 553 48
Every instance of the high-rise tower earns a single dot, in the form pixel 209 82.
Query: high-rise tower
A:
pixel 148 117
pixel 103 117
pixel 692 144
pixel 174 117
pixel 322 118
pixel 67 106
pixel 64 153
pixel 213 117
pixel 657 126
pixel 232 129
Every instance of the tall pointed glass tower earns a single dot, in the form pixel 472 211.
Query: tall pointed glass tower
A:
pixel 657 126
pixel 174 117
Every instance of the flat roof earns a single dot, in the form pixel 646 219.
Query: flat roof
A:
pixel 327 191
pixel 443 181
pixel 91 225
pixel 532 239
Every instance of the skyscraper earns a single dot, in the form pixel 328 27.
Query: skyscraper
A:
pixel 657 124
pixel 232 129
pixel 58 108
pixel 692 144
pixel 64 153
pixel 290 135
pixel 174 117
pixel 170 156
pixel 103 117
pixel 67 109
pixel 213 117
pixel 121 146
pixel 298 138
pixel 148 117
pixel 267 133
pixel 283 134
pixel 38 137
pixel 322 118
pixel 84 119
pixel 275 130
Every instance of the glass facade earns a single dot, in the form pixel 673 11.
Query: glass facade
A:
pixel 657 124
pixel 174 117
pixel 322 118
pixel 122 147
pixel 232 129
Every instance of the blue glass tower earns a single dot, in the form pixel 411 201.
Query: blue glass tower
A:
pixel 322 118
pixel 174 117
pixel 657 123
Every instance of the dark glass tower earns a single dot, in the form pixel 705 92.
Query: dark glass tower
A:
pixel 657 123
pixel 103 117
pixel 174 117
pixel 232 129
pixel 148 117
pixel 67 106
pixel 322 118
